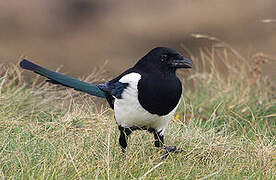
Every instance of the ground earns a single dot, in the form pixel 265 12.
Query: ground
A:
pixel 225 124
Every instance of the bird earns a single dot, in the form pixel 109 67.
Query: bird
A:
pixel 143 97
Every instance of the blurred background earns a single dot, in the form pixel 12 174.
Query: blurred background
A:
pixel 83 34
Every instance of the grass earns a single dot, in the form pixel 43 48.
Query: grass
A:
pixel 225 123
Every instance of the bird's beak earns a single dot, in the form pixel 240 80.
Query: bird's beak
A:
pixel 181 62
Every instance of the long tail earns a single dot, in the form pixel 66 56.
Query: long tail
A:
pixel 58 78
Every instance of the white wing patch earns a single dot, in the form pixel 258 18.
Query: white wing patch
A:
pixel 129 112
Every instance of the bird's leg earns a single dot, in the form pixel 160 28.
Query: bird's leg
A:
pixel 158 139
pixel 124 133
pixel 159 142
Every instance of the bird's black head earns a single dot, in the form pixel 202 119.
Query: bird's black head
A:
pixel 163 59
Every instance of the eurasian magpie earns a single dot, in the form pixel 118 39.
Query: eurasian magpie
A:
pixel 144 97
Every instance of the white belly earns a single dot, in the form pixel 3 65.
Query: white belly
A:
pixel 129 112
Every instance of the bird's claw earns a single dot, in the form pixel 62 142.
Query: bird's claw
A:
pixel 170 149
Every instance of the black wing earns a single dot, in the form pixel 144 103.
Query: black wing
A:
pixel 114 89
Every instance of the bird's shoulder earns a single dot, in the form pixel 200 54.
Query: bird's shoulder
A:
pixel 115 87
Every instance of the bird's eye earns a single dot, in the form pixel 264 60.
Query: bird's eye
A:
pixel 164 57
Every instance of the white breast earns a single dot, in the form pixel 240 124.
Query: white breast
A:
pixel 129 112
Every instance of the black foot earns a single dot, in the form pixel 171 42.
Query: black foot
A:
pixel 170 149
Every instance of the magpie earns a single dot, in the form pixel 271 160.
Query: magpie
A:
pixel 144 97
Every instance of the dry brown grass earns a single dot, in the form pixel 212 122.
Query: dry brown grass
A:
pixel 225 124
